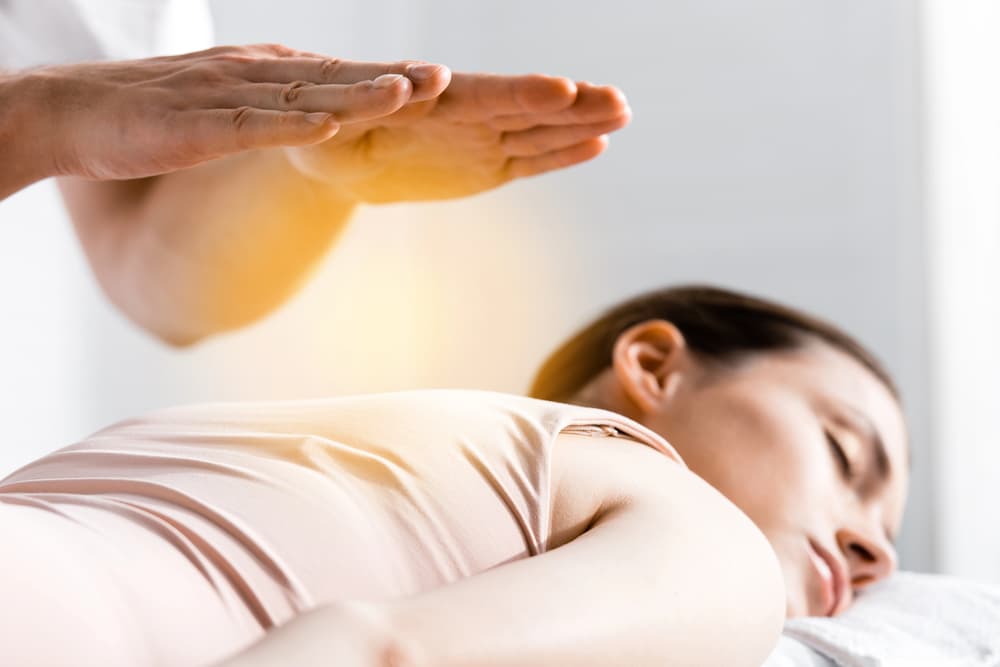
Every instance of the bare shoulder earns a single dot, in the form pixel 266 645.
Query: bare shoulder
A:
pixel 618 500
pixel 591 474
pixel 593 477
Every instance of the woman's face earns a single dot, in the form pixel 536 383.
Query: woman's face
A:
pixel 811 446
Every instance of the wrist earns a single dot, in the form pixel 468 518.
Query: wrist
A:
pixel 25 133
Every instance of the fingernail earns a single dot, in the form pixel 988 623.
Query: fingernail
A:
pixel 422 72
pixel 387 80
pixel 317 118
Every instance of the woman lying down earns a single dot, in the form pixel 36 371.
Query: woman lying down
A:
pixel 703 465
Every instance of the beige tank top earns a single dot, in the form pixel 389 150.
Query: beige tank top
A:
pixel 188 532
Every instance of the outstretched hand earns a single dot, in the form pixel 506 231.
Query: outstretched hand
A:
pixel 376 132
pixel 139 118
pixel 215 247
pixel 482 131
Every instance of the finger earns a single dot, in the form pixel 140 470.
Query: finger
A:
pixel 593 104
pixel 347 103
pixel 428 79
pixel 476 97
pixel 545 139
pixel 521 167
pixel 222 131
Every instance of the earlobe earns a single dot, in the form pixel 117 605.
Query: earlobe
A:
pixel 647 360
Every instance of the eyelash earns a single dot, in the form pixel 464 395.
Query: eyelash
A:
pixel 840 455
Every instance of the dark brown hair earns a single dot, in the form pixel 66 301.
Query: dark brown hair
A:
pixel 718 325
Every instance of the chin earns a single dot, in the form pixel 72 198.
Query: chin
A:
pixel 796 577
pixel 797 595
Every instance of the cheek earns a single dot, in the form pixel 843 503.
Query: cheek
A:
pixel 762 453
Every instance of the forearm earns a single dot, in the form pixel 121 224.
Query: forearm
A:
pixel 648 586
pixel 25 146
pixel 209 248
pixel 668 568
pixel 614 597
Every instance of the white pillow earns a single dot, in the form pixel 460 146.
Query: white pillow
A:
pixel 792 653
pixel 909 620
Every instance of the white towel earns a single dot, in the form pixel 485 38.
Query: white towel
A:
pixel 911 620
pixel 793 653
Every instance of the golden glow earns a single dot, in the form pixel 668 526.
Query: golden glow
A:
pixel 463 293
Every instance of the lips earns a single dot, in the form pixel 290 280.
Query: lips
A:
pixel 832 577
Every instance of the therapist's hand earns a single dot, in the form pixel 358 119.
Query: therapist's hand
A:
pixel 131 119
pixel 482 131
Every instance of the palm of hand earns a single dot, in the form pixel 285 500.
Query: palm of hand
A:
pixel 427 158
pixel 484 130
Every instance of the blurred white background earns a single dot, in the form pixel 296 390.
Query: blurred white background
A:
pixel 798 149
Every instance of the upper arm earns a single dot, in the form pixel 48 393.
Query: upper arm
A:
pixel 696 546
pixel 209 248
pixel 101 213
pixel 665 567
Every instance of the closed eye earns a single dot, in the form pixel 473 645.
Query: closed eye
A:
pixel 838 452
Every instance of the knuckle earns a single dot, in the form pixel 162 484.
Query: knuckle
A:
pixel 330 68
pixel 240 118
pixel 277 49
pixel 510 142
pixel 217 51
pixel 236 58
pixel 203 73
pixel 244 51
pixel 290 93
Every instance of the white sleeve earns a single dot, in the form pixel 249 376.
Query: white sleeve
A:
pixel 38 32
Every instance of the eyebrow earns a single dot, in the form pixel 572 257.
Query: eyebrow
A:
pixel 861 424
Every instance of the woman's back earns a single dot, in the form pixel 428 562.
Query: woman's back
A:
pixel 243 515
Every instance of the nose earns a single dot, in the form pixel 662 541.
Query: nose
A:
pixel 870 556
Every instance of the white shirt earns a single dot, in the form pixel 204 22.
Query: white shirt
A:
pixel 37 32
pixel 46 368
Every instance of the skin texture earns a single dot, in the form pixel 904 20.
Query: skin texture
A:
pixel 140 118
pixel 765 433
pixel 481 132
pixel 216 190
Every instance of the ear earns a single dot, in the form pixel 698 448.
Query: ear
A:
pixel 647 359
